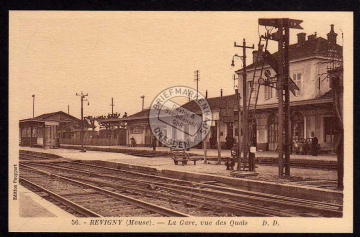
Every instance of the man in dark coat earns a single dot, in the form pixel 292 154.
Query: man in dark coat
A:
pixel 153 143
pixel 314 144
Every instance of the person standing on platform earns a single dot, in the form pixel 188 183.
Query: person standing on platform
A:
pixel 314 144
pixel 153 143
pixel 132 142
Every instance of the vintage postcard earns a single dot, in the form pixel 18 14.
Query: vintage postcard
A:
pixel 172 121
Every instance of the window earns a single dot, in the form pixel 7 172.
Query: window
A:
pixel 297 78
pixel 229 129
pixel 329 124
pixel 273 129
pixel 297 125
pixel 268 92
pixel 174 133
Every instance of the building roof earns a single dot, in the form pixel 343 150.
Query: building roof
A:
pixel 310 48
pixel 143 114
pixel 61 115
pixel 58 116
pixel 216 103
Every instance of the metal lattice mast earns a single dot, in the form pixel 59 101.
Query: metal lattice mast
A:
pixel 112 106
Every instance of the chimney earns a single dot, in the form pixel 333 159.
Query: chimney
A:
pixel 331 36
pixel 206 94
pixel 220 92
pixel 312 37
pixel 258 53
pixel 301 38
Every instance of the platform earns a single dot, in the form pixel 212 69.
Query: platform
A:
pixel 32 205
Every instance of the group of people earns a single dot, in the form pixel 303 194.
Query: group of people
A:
pixel 230 163
pixel 153 143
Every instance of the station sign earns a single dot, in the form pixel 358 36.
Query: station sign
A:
pixel 277 22
pixel 293 86
pixel 51 123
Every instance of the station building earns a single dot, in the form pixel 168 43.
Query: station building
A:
pixel 311 107
pixel 138 126
pixel 47 130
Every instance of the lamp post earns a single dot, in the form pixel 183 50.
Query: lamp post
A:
pixel 238 98
pixel 82 99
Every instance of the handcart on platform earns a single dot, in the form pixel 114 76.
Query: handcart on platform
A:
pixel 180 155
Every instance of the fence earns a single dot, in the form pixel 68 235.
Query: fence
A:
pixel 91 141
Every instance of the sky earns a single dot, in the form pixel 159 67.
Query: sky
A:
pixel 124 55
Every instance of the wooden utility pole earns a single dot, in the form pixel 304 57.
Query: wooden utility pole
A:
pixel 245 117
pixel 337 85
pixel 205 147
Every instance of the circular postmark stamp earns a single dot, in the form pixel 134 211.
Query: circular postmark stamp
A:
pixel 180 126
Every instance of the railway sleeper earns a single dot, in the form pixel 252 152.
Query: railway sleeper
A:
pixel 103 205
pixel 190 204
pixel 72 193
pixel 133 212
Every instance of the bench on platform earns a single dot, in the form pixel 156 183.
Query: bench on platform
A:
pixel 183 157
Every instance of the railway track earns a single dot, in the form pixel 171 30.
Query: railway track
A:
pixel 197 199
pixel 86 200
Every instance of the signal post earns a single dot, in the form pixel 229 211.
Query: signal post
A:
pixel 283 85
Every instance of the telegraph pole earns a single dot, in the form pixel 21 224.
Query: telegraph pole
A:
pixel 82 99
pixel 112 106
pixel 197 78
pixel 245 117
